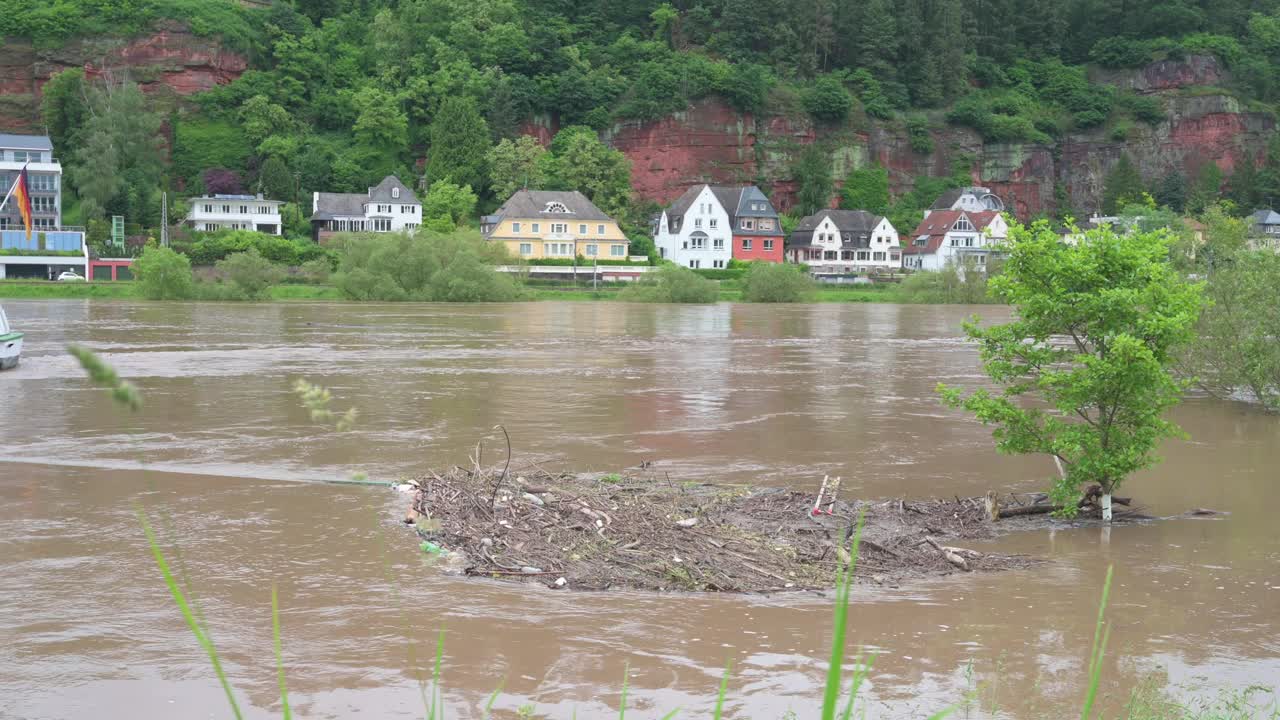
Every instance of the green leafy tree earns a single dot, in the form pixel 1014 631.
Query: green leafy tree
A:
pixel 579 161
pixel 828 100
pixel 449 201
pixel 746 86
pixel 1122 186
pixel 275 180
pixel 64 109
pixel 766 282
pixel 1208 186
pixel 1086 367
pixel 119 165
pixel 812 172
pixel 459 144
pixel 163 274
pixel 1172 191
pixel 262 118
pixel 1236 353
pixel 382 123
pixel 866 189
pixel 516 164
pixel 251 274
pixel 1244 187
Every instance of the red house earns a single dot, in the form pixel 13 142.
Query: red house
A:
pixel 757 232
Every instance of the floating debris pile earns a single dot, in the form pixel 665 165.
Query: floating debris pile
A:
pixel 647 532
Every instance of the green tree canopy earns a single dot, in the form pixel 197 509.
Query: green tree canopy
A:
pixel 867 189
pixel 449 201
pixel 812 172
pixel 516 164
pixel 118 168
pixel 1086 367
pixel 163 274
pixel 459 144
pixel 1122 186
pixel 579 161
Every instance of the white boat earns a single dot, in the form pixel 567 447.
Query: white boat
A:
pixel 10 343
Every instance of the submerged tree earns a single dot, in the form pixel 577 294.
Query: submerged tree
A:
pixel 1086 366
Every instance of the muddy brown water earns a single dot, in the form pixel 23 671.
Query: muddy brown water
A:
pixel 225 461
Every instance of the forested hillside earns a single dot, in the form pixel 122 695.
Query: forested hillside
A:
pixel 338 93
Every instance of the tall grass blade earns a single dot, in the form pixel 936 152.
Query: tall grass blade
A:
pixel 185 608
pixel 275 636
pixel 671 714
pixel 488 707
pixel 724 687
pixel 859 676
pixel 435 711
pixel 1101 633
pixel 622 705
pixel 831 697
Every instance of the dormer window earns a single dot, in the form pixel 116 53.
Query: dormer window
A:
pixel 963 224
pixel 395 193
pixel 556 207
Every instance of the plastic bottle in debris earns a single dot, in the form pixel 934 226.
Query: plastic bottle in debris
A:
pixel 431 548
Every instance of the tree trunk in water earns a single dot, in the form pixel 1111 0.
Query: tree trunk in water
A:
pixel 1106 507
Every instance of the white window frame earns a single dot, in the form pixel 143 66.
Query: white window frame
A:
pixel 515 227
pixel 746 243
pixel 395 193
pixel 617 250
pixel 592 250
pixel 526 249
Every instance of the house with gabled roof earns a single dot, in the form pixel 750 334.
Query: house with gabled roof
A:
pixel 955 237
pixel 563 224
pixel 390 206
pixel 974 199
pixel 708 225
pixel 845 242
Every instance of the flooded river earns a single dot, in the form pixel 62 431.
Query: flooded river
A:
pixel 224 460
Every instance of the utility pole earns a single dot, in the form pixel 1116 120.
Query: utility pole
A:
pixel 164 219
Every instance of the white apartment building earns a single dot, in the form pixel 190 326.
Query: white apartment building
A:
pixel 235 212
pixel 696 231
pixel 845 242
pixel 388 207
pixel 44 174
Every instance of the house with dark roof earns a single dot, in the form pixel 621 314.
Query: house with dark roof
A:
pixel 1264 229
pixel 708 225
pixel 845 242
pixel 973 199
pixel 555 224
pixel 389 207
pixel 955 237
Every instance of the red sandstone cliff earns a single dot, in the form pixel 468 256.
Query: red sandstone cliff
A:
pixel 168 61
pixel 710 142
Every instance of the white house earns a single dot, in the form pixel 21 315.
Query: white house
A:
pixel 972 199
pixel 389 207
pixel 44 176
pixel 695 231
pixel 235 212
pixel 845 242
pixel 948 237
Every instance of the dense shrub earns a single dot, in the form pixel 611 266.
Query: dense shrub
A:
pixel 200 144
pixel 426 266
pixel 827 100
pixel 163 274
pixel 671 284
pixel 948 285
pixel 775 283
pixel 212 247
pixel 251 274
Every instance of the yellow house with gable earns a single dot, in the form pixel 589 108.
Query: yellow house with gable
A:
pixel 555 224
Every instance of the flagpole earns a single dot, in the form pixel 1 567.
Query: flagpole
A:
pixel 14 186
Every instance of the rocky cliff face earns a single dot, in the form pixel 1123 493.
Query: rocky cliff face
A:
pixel 713 143
pixel 169 62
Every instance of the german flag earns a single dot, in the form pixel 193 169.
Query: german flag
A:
pixel 22 196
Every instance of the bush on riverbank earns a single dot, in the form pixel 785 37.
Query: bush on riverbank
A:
pixel 439 267
pixel 209 248
pixel 671 284
pixel 250 276
pixel 163 274
pixel 947 286
pixel 776 283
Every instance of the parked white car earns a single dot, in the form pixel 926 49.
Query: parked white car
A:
pixel 69 275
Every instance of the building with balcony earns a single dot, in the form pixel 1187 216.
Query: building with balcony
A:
pixel 388 207
pixel 235 212
pixel 845 242
pixel 44 173
pixel 708 225
pixel 52 248
pixel 555 224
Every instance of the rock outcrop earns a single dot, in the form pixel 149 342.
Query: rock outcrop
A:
pixel 170 61
pixel 711 142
